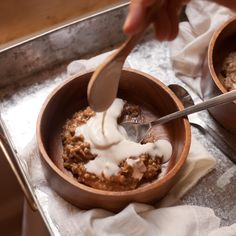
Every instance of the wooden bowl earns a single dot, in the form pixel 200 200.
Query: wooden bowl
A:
pixel 221 44
pixel 70 97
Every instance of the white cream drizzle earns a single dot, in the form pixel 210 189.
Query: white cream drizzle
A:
pixel 113 146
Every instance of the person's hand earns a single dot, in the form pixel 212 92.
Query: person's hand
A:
pixel 165 20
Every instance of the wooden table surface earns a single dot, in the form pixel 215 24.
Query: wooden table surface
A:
pixel 22 18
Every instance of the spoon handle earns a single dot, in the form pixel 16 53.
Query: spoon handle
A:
pixel 127 47
pixel 218 100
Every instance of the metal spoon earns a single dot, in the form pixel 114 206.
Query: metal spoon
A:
pixel 209 133
pixel 140 130
pixel 103 85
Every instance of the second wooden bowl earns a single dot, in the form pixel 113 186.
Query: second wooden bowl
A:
pixel 222 43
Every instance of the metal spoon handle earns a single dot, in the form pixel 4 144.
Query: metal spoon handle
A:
pixel 218 100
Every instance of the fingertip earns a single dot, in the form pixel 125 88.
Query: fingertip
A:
pixel 174 28
pixel 127 27
pixel 134 21
pixel 131 26
pixel 130 31
pixel 160 36
pixel 173 35
pixel 162 26
pixel 173 9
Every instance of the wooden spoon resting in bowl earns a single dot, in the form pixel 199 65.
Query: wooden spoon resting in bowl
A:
pixel 103 85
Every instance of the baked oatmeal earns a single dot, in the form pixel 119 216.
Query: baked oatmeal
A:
pixel 82 161
pixel 229 72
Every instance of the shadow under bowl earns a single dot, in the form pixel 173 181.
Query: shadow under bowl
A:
pixel 70 97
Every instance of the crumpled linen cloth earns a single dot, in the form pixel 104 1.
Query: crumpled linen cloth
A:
pixel 135 219
pixel 188 50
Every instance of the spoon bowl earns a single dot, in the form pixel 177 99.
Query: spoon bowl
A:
pixel 104 83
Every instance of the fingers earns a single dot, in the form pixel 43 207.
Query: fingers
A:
pixel 162 24
pixel 166 20
pixel 174 8
pixel 138 11
pixel 135 19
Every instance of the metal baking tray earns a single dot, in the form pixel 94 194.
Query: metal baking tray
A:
pixel 30 70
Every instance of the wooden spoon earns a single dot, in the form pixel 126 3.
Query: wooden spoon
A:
pixel 103 85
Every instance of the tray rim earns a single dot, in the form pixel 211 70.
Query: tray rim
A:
pixel 22 41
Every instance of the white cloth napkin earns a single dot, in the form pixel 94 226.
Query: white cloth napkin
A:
pixel 189 49
pixel 136 219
